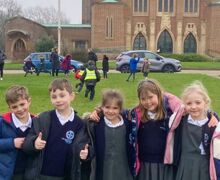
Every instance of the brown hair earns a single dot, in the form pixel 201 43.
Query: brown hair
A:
pixel 112 95
pixel 16 92
pixel 146 86
pixel 60 84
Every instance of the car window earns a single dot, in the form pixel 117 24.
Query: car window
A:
pixel 150 55
pixel 140 54
pixel 130 54
pixel 42 56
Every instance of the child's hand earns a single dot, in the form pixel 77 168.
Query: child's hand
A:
pixel 94 116
pixel 18 142
pixel 213 122
pixel 39 143
pixel 84 152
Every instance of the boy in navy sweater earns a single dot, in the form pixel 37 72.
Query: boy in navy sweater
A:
pixel 14 127
pixel 56 138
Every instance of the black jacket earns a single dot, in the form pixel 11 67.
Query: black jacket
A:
pixel 42 124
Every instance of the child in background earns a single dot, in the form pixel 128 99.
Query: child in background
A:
pixel 146 67
pixel 56 138
pixel 78 75
pixel 90 76
pixel 193 135
pixel 14 127
pixel 66 65
pixel 105 66
pixel 133 66
pixel 110 138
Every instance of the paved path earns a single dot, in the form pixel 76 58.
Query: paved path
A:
pixel 213 73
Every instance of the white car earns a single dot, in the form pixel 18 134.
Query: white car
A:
pixel 158 62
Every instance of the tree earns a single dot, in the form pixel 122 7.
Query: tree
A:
pixel 8 9
pixel 45 44
pixel 47 15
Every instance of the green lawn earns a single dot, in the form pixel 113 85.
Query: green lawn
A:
pixel 173 82
pixel 185 65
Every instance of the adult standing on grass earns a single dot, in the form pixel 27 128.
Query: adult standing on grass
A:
pixel 133 66
pixel 54 58
pixel 105 66
pixel 2 63
pixel 92 56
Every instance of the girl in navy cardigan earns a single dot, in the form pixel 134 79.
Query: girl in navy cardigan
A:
pixel 111 141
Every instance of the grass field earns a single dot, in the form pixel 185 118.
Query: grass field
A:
pixel 37 85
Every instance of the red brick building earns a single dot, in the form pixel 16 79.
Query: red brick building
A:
pixel 173 26
pixel 21 35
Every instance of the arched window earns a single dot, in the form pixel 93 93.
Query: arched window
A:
pixel 140 6
pixel 140 42
pixel 190 45
pixel 191 6
pixel 19 45
pixel 166 6
pixel 165 43
pixel 109 28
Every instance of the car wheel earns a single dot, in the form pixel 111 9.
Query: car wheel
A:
pixel 168 68
pixel 124 68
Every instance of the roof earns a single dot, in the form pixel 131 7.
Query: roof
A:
pixel 68 25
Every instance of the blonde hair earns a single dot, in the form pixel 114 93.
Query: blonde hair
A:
pixel 146 86
pixel 112 95
pixel 16 92
pixel 60 84
pixel 199 88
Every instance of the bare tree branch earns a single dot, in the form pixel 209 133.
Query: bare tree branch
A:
pixel 47 15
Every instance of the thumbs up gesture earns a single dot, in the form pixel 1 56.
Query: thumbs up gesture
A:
pixel 84 152
pixel 39 143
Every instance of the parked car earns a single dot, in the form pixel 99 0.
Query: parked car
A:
pixel 40 59
pixel 158 62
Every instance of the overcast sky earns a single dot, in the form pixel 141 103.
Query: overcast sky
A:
pixel 72 8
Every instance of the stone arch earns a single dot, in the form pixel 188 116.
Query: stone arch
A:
pixel 139 42
pixel 190 43
pixel 19 48
pixel 165 41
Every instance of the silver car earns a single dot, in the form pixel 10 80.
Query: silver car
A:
pixel 158 62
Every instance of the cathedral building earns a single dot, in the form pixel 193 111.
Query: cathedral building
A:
pixel 168 26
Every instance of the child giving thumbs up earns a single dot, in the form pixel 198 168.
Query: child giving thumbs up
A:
pixel 84 152
pixel 39 143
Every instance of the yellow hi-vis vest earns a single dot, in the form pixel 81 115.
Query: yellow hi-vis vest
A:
pixel 90 74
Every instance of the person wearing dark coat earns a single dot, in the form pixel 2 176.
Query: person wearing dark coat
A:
pixel 2 63
pixel 90 76
pixel 105 66
pixel 54 58
pixel 92 56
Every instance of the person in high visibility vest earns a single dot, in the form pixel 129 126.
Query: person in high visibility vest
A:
pixel 91 76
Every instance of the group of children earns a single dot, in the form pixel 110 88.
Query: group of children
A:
pixel 159 139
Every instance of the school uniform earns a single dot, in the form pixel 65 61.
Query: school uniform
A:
pixel 151 141
pixel 114 156
pixel 192 148
pixel 59 160
pixel 13 161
